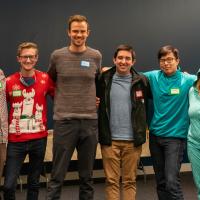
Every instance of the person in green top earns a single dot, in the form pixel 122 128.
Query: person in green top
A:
pixel 193 142
pixel 170 122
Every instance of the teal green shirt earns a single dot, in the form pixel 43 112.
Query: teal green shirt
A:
pixel 194 114
pixel 170 100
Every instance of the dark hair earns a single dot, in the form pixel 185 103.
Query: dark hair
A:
pixel 125 47
pixel 77 18
pixel 168 49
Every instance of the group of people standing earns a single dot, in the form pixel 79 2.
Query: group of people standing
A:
pixel 92 106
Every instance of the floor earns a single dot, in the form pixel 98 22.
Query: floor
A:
pixel 145 191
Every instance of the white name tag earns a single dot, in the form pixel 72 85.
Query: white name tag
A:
pixel 16 93
pixel 175 91
pixel 85 63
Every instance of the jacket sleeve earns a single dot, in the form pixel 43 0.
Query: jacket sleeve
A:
pixel 148 88
pixel 98 85
pixel 149 103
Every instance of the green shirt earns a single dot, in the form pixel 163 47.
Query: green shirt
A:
pixel 170 99
pixel 194 114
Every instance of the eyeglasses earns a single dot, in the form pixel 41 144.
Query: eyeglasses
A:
pixel 167 60
pixel 26 57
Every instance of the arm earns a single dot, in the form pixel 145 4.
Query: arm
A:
pixel 98 72
pixel 52 68
pixel 51 87
pixel 3 110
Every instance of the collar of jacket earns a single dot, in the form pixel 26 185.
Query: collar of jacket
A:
pixel 136 77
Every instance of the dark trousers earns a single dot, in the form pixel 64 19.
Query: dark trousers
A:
pixel 167 155
pixel 16 153
pixel 68 135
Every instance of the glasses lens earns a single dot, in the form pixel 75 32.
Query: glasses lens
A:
pixel 167 60
pixel 26 57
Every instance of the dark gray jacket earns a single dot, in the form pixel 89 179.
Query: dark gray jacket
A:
pixel 139 91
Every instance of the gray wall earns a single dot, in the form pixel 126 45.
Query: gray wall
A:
pixel 145 24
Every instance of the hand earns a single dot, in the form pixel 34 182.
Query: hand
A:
pixel 97 102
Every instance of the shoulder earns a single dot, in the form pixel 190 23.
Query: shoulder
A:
pixel 188 79
pixel 109 71
pixel 107 74
pixel 43 77
pixel 13 80
pixel 41 74
pixel 187 76
pixel 96 53
pixel 141 77
pixel 59 51
pixel 13 77
pixel 191 90
pixel 2 76
pixel 153 73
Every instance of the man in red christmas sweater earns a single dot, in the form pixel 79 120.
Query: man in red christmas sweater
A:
pixel 26 92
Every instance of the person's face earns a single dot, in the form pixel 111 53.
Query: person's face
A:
pixel 169 64
pixel 78 33
pixel 123 62
pixel 28 59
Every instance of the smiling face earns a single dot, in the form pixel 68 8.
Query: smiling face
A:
pixel 78 34
pixel 28 58
pixel 169 64
pixel 123 62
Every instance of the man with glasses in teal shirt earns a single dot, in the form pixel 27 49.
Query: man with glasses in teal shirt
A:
pixel 169 125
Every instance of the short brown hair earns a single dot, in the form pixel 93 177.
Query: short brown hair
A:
pixel 77 18
pixel 27 45
pixel 163 51
pixel 125 47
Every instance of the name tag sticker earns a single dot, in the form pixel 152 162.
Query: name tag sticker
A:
pixel 85 63
pixel 174 91
pixel 139 94
pixel 16 93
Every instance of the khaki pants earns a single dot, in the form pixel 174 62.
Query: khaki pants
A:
pixel 121 158
pixel 2 158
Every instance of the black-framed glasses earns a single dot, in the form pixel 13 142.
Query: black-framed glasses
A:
pixel 167 60
pixel 30 57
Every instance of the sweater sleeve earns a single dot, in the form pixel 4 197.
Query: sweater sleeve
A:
pixel 51 87
pixel 3 110
pixel 52 68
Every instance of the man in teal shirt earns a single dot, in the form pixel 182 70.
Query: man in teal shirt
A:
pixel 169 125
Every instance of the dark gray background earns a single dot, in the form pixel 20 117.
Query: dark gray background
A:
pixel 145 24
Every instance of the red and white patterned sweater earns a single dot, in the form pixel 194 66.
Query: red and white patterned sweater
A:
pixel 28 106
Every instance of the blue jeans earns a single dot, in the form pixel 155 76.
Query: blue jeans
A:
pixel 16 153
pixel 68 135
pixel 167 155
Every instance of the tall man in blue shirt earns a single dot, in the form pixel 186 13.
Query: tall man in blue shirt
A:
pixel 169 125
